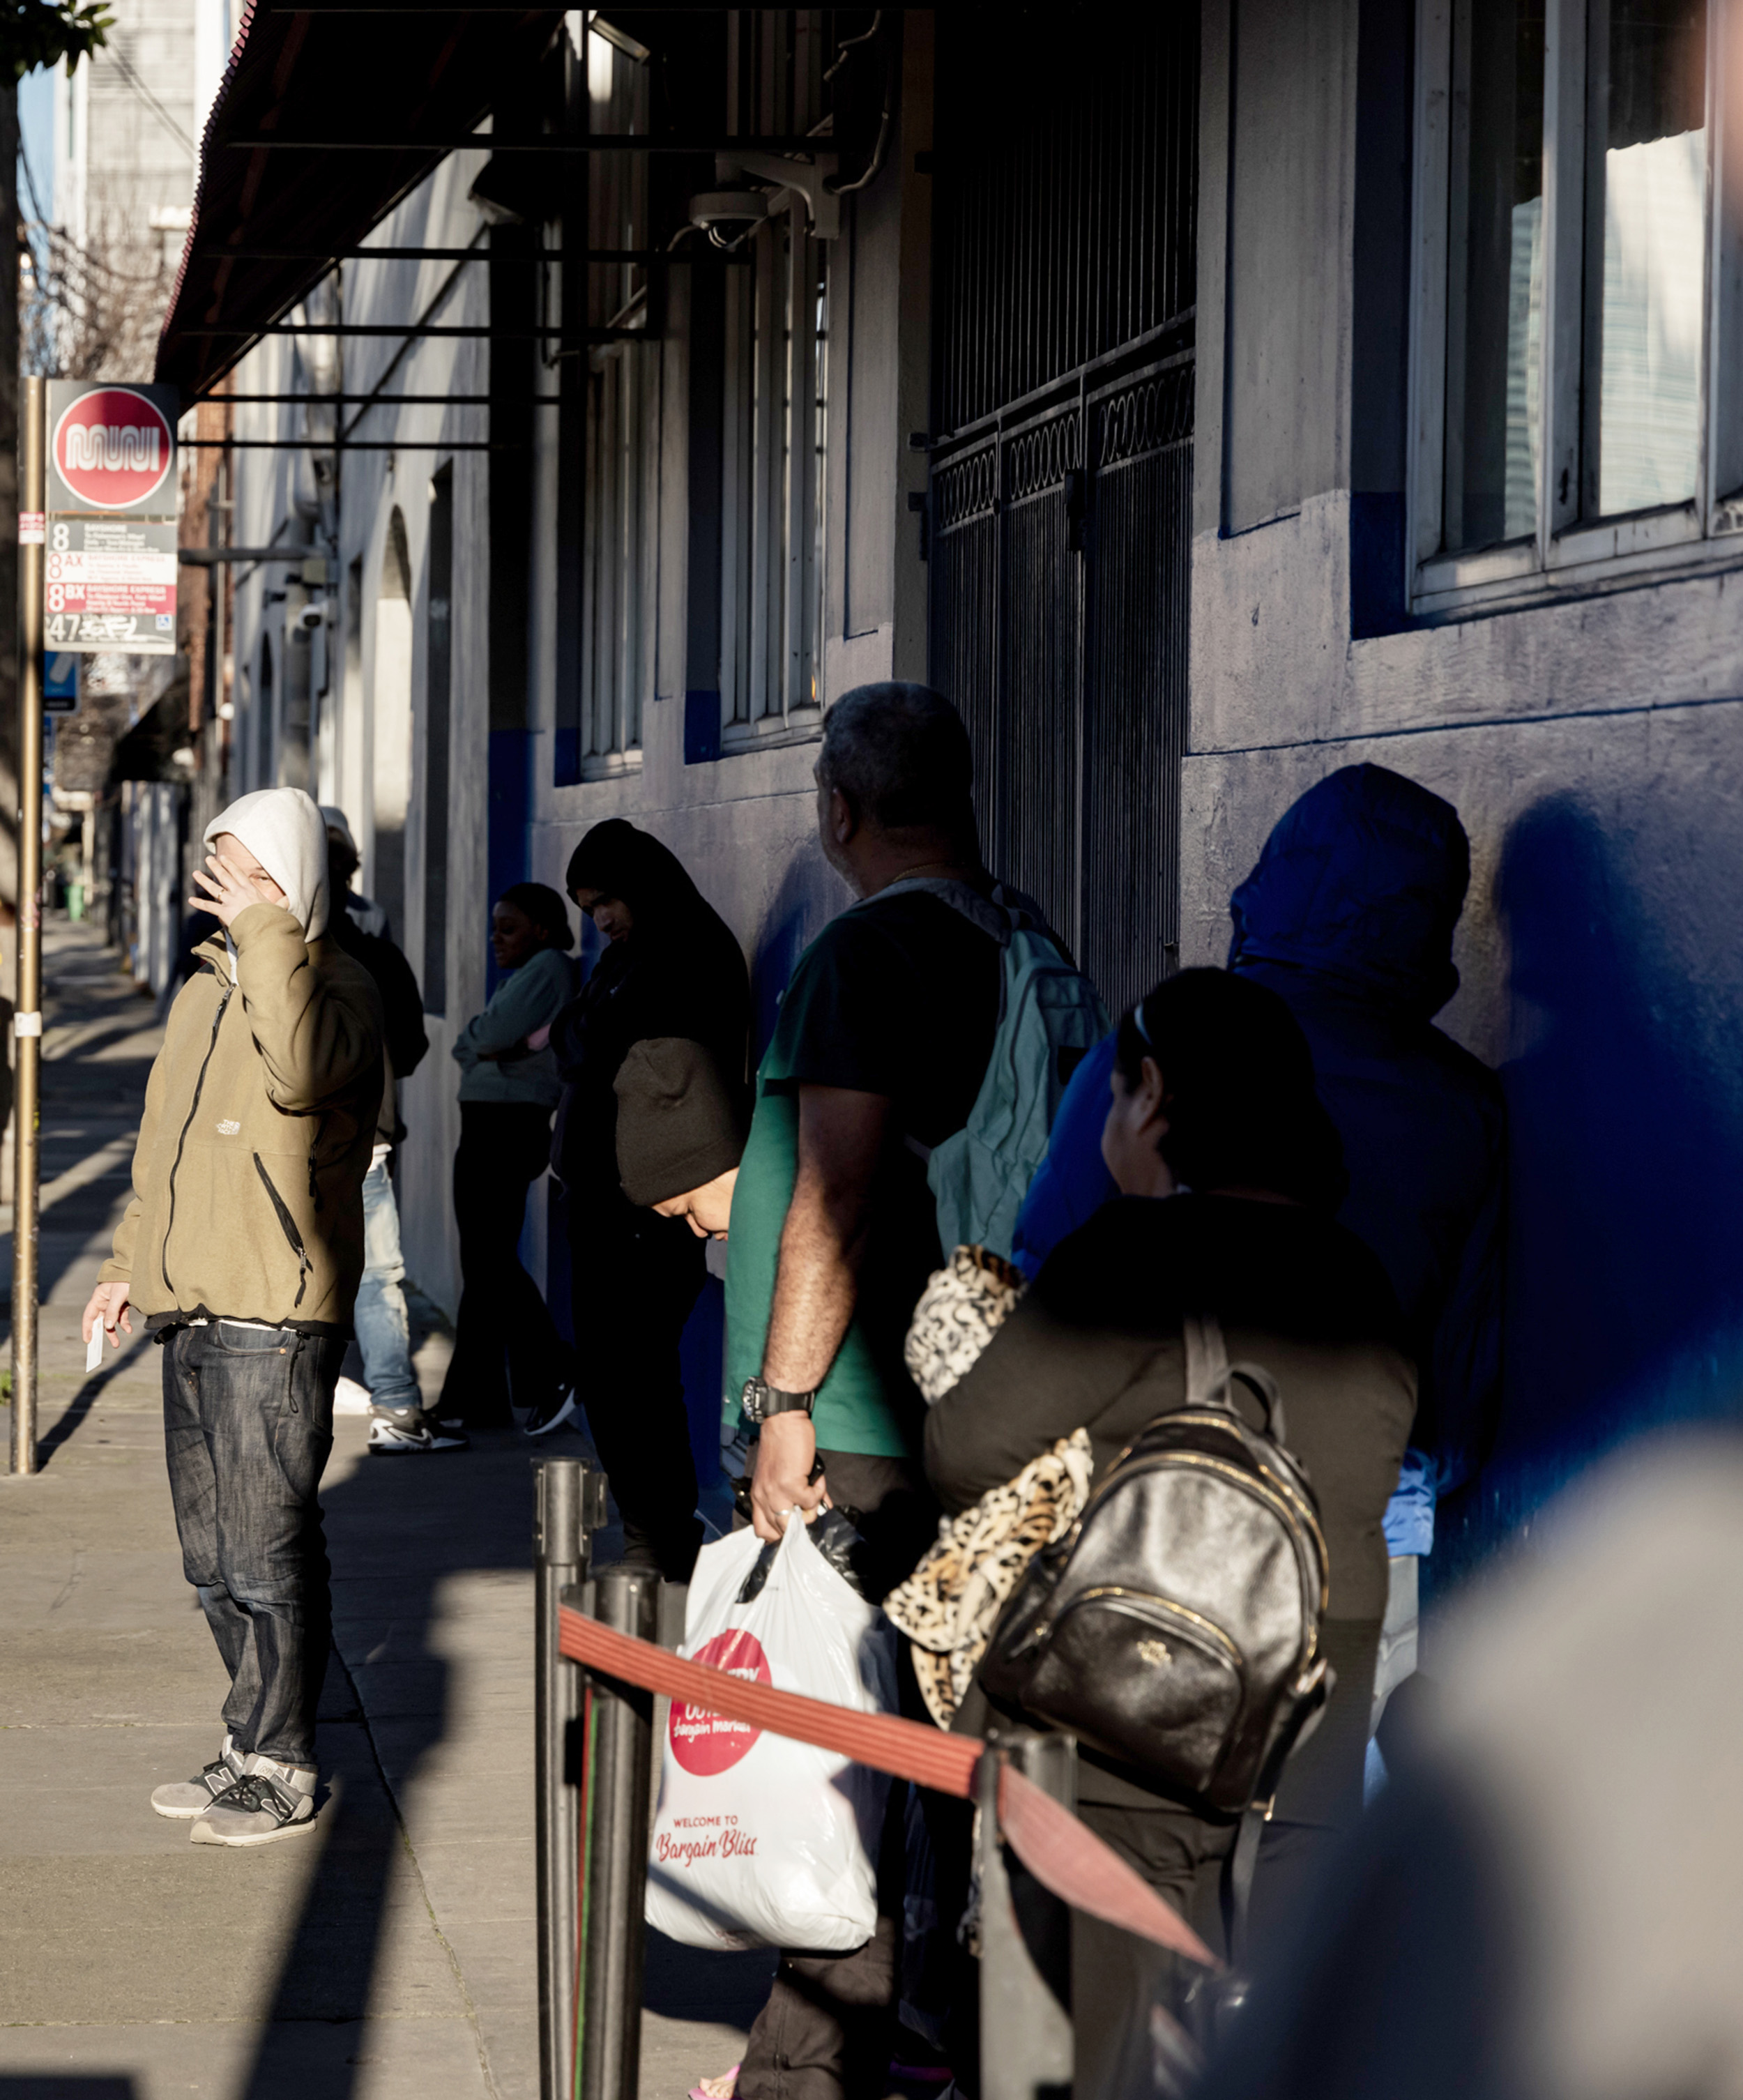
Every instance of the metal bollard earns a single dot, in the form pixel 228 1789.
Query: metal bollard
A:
pixel 570 1505
pixel 1026 2051
pixel 619 1772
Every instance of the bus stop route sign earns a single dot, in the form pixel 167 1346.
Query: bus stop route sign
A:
pixel 109 574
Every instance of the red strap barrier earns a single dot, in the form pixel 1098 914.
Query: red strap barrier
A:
pixel 907 1749
pixel 1066 1856
pixel 1059 1850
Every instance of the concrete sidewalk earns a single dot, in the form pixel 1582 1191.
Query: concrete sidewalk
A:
pixel 390 1953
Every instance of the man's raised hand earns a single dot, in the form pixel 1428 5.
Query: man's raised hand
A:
pixel 229 891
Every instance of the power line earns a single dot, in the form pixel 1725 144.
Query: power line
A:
pixel 126 64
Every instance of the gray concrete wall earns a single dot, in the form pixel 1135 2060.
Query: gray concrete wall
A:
pixel 1593 749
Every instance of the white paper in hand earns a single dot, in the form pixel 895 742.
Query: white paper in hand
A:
pixel 761 1840
pixel 94 1350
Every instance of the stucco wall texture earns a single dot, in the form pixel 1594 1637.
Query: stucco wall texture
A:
pixel 1595 751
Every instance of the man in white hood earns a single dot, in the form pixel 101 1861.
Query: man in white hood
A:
pixel 242 1248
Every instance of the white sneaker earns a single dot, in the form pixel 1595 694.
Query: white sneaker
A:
pixel 409 1429
pixel 183 1799
pixel 270 1800
pixel 349 1397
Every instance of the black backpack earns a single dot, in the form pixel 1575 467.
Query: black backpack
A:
pixel 1176 1626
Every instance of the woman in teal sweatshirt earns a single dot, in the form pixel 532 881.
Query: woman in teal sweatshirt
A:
pixel 504 1341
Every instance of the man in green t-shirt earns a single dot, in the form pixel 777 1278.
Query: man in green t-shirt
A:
pixel 881 1047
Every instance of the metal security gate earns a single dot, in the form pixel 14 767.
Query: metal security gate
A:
pixel 1059 523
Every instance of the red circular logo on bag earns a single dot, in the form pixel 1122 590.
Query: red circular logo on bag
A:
pixel 112 448
pixel 706 1743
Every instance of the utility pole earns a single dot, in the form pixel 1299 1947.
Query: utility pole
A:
pixel 27 1021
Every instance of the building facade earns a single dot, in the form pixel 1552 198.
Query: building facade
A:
pixel 1262 392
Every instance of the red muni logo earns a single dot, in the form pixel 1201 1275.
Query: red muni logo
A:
pixel 114 447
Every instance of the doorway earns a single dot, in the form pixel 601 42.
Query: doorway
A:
pixel 1059 516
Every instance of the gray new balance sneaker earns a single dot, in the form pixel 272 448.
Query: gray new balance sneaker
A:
pixel 269 1801
pixel 184 1799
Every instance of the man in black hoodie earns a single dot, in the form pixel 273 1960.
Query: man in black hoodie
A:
pixel 1349 916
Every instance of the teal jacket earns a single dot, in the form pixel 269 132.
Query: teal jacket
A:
pixel 526 1000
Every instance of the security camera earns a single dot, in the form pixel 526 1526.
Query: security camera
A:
pixel 311 615
pixel 727 216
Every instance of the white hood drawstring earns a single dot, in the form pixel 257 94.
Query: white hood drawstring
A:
pixel 283 828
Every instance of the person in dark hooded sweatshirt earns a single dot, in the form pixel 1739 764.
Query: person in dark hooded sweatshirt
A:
pixel 671 967
pixel 1349 916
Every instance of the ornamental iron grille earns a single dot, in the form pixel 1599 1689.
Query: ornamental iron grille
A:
pixel 1059 520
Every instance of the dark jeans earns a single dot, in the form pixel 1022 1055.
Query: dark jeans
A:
pixel 504 1338
pixel 247 1424
pixel 637 1277
pixel 829 2027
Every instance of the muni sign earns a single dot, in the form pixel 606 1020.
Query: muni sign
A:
pixel 110 572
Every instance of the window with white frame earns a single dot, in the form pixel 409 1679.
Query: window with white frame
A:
pixel 618 557
pixel 619 494
pixel 1574 417
pixel 772 492
pixel 776 343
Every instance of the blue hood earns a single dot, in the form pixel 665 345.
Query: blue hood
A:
pixel 1362 881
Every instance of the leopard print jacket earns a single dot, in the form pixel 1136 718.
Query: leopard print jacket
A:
pixel 949 1606
pixel 962 1305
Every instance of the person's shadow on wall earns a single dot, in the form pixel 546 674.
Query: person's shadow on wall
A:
pixel 1624 1101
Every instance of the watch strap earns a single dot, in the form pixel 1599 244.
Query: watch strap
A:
pixel 763 1399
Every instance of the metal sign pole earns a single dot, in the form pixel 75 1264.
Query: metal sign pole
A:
pixel 27 1021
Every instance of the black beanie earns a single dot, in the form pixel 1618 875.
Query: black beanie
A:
pixel 678 1125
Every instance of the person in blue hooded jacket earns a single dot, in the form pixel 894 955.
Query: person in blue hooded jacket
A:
pixel 1349 916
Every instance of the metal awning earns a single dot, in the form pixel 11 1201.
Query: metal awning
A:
pixel 406 83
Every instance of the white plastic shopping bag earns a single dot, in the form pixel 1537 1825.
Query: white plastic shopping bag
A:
pixel 759 1840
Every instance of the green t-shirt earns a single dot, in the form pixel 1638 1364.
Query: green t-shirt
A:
pixel 899 996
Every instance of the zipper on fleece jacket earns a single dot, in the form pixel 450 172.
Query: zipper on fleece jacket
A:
pixel 163 1259
pixel 291 1233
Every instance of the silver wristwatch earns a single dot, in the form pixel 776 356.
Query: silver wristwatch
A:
pixel 759 1399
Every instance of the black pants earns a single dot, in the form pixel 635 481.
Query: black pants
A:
pixel 637 1277
pixel 505 1339
pixel 1183 1856
pixel 829 2027
pixel 248 1425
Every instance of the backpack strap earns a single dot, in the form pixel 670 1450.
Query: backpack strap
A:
pixel 1206 1360
pixel 1243 1860
pixel 1209 1376
pixel 993 917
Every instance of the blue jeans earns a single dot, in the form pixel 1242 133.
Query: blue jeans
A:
pixel 248 1427
pixel 384 1333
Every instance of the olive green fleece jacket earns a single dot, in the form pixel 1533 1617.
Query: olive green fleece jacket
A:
pixel 259 1120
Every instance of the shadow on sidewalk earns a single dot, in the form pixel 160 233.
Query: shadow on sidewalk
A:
pixel 396 1534
pixel 67 1424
